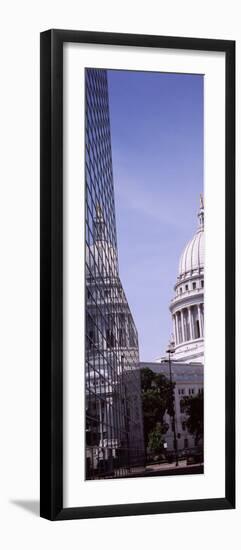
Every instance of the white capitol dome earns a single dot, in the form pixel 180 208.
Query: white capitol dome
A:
pixel 192 257
pixel 187 306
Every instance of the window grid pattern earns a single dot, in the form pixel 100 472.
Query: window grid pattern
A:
pixel 114 425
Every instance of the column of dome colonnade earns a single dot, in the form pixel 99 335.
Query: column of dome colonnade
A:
pixel 187 306
pixel 187 329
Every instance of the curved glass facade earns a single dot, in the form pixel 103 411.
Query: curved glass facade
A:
pixel 114 425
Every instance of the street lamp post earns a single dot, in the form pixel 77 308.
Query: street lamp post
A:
pixel 170 350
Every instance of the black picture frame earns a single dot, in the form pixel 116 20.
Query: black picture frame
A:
pixel 51 324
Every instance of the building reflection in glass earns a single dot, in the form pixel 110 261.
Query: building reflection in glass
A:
pixel 114 425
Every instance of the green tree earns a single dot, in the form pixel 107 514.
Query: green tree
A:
pixel 157 398
pixel 193 407
pixel 156 439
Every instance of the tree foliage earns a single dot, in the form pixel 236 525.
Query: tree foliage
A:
pixel 157 398
pixel 193 407
pixel 155 438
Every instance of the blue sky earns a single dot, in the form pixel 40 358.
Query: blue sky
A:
pixel 157 151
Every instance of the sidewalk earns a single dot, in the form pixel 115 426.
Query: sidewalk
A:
pixel 167 469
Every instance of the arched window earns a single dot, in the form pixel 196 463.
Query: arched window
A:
pixel 185 327
pixel 197 331
pixel 180 338
pixel 187 335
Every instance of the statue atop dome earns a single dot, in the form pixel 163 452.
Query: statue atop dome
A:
pixel 201 213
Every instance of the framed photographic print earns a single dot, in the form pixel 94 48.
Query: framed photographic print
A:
pixel 137 274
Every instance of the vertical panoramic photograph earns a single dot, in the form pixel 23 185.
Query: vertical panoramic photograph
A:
pixel 144 274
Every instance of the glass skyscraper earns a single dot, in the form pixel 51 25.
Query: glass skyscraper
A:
pixel 114 424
